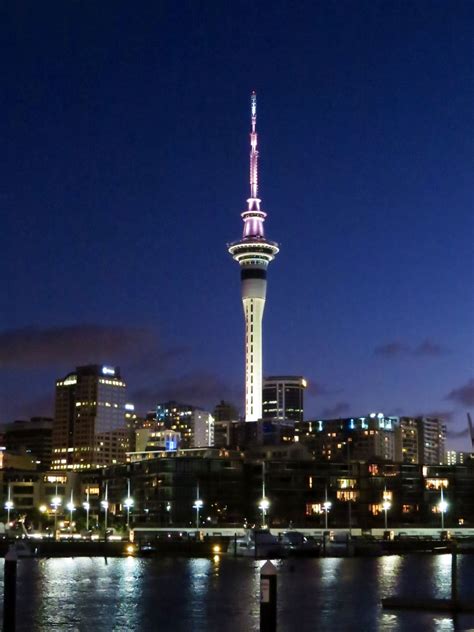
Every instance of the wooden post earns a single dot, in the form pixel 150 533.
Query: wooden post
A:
pixel 9 591
pixel 268 598
pixel 454 574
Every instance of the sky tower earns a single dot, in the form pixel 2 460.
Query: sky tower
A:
pixel 253 253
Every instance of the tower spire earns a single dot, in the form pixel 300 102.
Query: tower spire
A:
pixel 253 147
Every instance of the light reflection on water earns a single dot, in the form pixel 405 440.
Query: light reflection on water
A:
pixel 193 595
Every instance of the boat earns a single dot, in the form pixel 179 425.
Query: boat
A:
pixel 257 543
pixel 296 544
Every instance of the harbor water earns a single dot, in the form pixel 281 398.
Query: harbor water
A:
pixel 222 594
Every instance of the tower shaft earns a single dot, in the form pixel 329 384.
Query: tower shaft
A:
pixel 253 253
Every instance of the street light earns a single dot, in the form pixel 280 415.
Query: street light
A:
pixel 9 504
pixel 386 506
pixel 128 504
pixel 55 504
pixel 71 508
pixel 326 506
pixel 105 505
pixel 198 504
pixel 264 506
pixel 443 507
pixel 87 507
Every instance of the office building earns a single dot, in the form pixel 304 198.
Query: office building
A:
pixel 253 253
pixel 89 428
pixel 283 397
pixel 33 437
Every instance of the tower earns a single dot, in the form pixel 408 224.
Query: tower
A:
pixel 253 253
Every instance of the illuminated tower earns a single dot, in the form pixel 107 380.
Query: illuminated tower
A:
pixel 253 253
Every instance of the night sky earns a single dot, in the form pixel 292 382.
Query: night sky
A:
pixel 124 170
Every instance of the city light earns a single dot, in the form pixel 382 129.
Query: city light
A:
pixel 198 505
pixel 264 506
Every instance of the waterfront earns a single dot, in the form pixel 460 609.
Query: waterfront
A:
pixel 194 595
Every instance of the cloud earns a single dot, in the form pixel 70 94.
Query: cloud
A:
pixel 199 388
pixel 391 349
pixel 457 434
pixel 429 348
pixel 463 395
pixel 336 410
pixel 34 348
pixel 396 348
pixel 317 389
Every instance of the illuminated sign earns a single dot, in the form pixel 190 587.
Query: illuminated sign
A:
pixel 129 407
pixel 107 370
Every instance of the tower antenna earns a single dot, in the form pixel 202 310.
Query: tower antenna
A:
pixel 253 147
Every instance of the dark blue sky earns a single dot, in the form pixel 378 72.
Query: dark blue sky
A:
pixel 125 165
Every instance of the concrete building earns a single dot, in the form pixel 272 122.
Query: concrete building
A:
pixel 283 397
pixel 431 440
pixel 406 441
pixel 33 437
pixel 194 425
pixel 354 438
pixel 253 253
pixel 89 427
pixel 456 457
pixel 225 411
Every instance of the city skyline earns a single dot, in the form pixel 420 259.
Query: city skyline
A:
pixel 126 165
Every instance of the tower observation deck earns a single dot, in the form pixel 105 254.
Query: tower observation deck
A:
pixel 253 253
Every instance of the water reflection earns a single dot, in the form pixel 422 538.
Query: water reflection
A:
pixel 183 595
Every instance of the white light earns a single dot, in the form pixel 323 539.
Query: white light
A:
pixel 107 370
pixel 443 506
pixel 198 503
pixel 56 501
pixel 327 505
pixel 386 505
pixel 105 504
pixel 70 506
pixel 9 505
pixel 128 503
pixel 264 504
pixel 86 506
pixel 129 407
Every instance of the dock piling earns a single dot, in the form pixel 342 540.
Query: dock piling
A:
pixel 268 598
pixel 9 591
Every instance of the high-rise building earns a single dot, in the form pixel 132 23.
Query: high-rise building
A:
pixel 283 397
pixel 225 411
pixel 194 425
pixel 253 253
pixel 89 428
pixel 33 437
pixel 406 441
pixel 431 440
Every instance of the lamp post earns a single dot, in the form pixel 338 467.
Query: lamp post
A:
pixel 264 506
pixel 168 509
pixel 105 505
pixel 87 507
pixel 198 504
pixel 128 504
pixel 55 504
pixel 386 505
pixel 70 507
pixel 327 506
pixel 443 507
pixel 9 504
